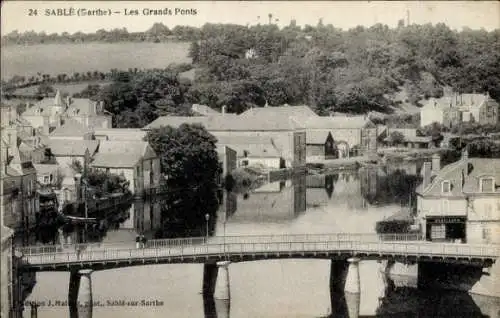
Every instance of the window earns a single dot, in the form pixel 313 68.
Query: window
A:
pixel 487 184
pixel 446 187
pixel 486 235
pixel 46 179
pixel 438 231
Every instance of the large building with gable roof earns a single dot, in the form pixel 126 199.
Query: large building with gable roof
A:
pixel 461 201
pixel 90 114
pixel 281 126
pixel 135 160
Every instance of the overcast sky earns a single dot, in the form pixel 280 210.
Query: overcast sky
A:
pixel 342 14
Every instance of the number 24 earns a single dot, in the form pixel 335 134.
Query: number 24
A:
pixel 32 12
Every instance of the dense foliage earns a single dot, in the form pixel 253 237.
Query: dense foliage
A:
pixel 353 71
pixel 332 70
pixel 157 33
pixel 190 164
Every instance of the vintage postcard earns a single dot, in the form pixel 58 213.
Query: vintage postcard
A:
pixel 250 159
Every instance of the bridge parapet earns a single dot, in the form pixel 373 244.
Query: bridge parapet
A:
pixel 161 243
pixel 256 248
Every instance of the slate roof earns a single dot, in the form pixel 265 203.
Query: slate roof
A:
pixel 256 150
pixel 470 171
pixel 291 111
pixel 67 147
pixel 81 107
pixel 231 123
pixel 127 134
pixel 461 101
pixel 71 128
pixel 337 122
pixel 119 154
pixel 316 137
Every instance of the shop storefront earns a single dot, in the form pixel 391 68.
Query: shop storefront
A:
pixel 446 228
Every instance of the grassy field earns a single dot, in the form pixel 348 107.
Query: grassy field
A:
pixel 69 88
pixel 69 58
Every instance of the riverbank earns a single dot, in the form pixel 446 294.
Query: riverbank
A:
pixel 384 156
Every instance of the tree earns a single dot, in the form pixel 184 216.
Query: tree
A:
pixel 188 154
pixel 45 89
pixel 190 164
pixel 396 138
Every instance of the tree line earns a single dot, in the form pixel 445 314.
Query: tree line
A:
pixel 157 33
pixel 332 70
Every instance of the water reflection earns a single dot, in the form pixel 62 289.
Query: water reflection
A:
pixel 347 201
pixel 273 202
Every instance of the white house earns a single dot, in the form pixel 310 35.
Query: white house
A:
pixel 135 160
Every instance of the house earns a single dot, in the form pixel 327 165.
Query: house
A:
pixel 18 177
pixel 67 151
pixel 135 160
pixel 320 145
pixel 227 160
pixel 277 123
pixel 124 134
pixel 85 111
pixel 411 137
pixel 253 150
pixel 460 201
pixel 454 108
pixel 70 129
pixel 352 136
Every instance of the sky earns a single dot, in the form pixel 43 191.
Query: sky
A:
pixel 342 14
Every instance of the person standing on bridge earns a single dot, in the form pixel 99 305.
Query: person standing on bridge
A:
pixel 138 241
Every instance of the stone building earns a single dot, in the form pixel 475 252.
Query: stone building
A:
pixel 276 123
pixel 135 160
pixel 90 114
pixel 18 177
pixel 352 136
pixel 460 201
pixel 454 108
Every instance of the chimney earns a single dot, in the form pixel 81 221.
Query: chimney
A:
pixel 46 125
pixel 11 132
pixel 59 120
pixel 426 174
pixel 223 109
pixel 436 164
pixel 58 99
pixel 101 106
pixel 465 154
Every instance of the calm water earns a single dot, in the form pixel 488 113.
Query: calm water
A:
pixel 345 202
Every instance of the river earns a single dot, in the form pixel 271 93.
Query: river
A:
pixel 341 202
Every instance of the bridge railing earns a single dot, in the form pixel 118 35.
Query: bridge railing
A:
pixel 256 247
pixel 159 243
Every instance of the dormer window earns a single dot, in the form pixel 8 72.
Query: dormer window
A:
pixel 487 184
pixel 446 186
